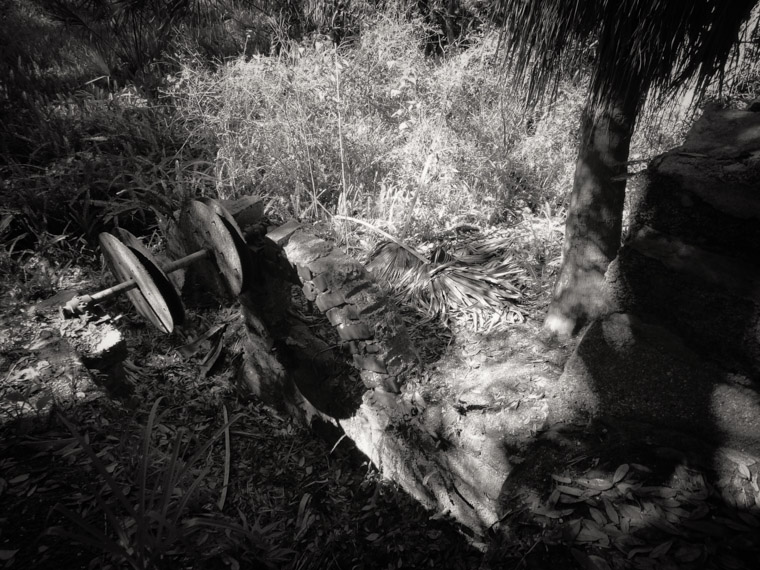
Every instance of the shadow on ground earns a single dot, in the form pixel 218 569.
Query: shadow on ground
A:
pixel 663 472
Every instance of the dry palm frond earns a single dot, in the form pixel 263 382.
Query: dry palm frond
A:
pixel 476 284
pixel 660 45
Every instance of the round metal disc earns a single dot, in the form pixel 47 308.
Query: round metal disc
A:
pixel 160 278
pixel 148 298
pixel 215 234
pixel 222 212
pixel 237 236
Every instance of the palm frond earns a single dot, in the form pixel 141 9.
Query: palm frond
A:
pixel 661 45
pixel 475 284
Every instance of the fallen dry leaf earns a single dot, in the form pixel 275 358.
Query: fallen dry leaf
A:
pixel 589 562
pixel 597 484
pixel 646 549
pixel 687 552
pixel 597 515
pixel 611 512
pixel 620 473
pixel 661 549
pixel 18 479
pixel 572 491
pixel 553 513
pixel 590 532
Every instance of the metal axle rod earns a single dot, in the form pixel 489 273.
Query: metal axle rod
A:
pixel 131 284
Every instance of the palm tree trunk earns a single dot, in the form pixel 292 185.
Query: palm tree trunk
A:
pixel 594 220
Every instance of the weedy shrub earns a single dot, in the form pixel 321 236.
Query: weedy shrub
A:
pixel 302 128
pixel 351 131
pixel 34 259
pixel 129 39
pixel 153 526
pixel 373 129
pixel 85 163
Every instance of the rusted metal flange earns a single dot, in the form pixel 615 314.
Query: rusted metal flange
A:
pixel 220 236
pixel 146 257
pixel 155 298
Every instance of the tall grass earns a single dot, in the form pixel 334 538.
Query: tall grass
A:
pixel 147 515
pixel 317 127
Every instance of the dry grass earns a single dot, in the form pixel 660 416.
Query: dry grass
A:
pixel 321 131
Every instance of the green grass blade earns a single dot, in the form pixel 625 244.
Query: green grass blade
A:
pixel 94 537
pixel 142 478
pixel 226 478
pixel 101 468
pixel 170 481
pixel 204 448
pixel 188 494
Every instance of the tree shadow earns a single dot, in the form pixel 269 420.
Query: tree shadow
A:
pixel 625 495
pixel 662 472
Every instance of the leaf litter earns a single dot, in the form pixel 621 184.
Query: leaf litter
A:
pixel 625 520
pixel 267 494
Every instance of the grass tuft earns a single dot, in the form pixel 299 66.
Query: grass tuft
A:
pixel 152 522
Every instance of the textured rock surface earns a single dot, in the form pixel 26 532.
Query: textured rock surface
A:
pixel 681 347
pixel 626 369
pixel 362 314
pixel 692 258
pixel 690 268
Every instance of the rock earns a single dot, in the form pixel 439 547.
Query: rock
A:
pixel 247 211
pixel 671 375
pixel 627 369
pixel 692 257
pixel 364 317
pixel 722 133
pixel 682 347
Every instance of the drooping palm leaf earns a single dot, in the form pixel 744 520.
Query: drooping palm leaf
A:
pixel 655 46
pixel 476 283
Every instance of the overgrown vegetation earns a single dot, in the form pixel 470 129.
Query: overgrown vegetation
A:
pixel 112 113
